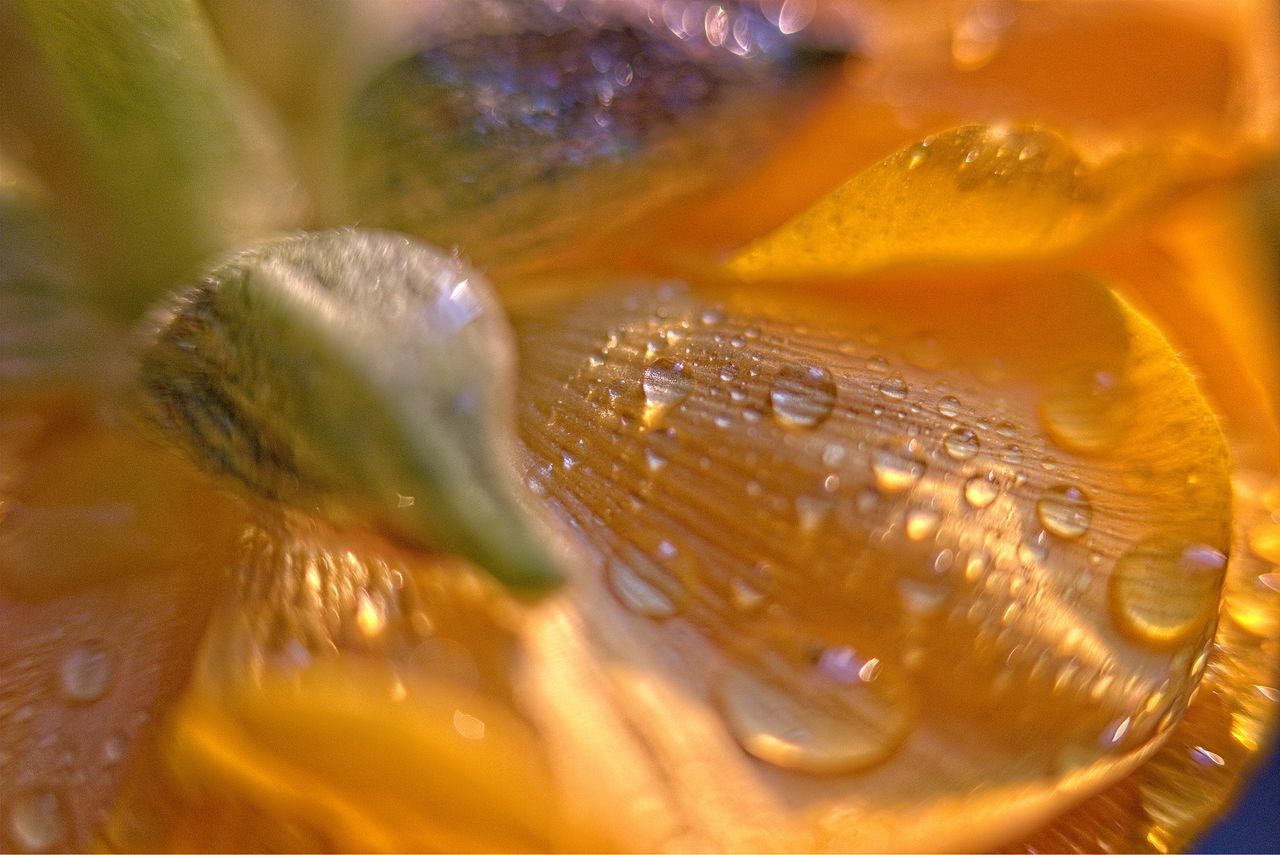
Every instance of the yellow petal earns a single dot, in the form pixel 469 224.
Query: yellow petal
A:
pixel 884 502
pixel 973 194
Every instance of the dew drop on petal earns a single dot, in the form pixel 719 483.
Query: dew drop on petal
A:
pixel 894 472
pixel 893 387
pixel 666 383
pixel 961 444
pixel 1087 412
pixel 807 734
pixel 949 406
pixel 922 523
pixel 802 396
pixel 85 673
pixel 38 821
pixel 1064 511
pixel 1164 595
pixel 637 594
pixel 1264 541
pixel 981 490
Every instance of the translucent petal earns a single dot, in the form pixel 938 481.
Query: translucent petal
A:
pixel 856 556
pixel 973 194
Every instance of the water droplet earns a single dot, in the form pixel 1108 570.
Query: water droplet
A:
pixel 637 594
pixel 894 472
pixel 922 523
pixel 38 821
pixel 919 154
pixel 745 597
pixel 1087 412
pixel 961 444
pixel 1264 541
pixel 981 490
pixel 85 673
pixel 666 383
pixel 893 387
pixel 468 726
pixel 922 597
pixel 371 616
pixel 827 734
pixel 802 396
pixel 1064 511
pixel 811 512
pixel 949 406
pixel 113 748
pixel 1163 595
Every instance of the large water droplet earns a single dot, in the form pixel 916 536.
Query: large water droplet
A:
pixel 1087 412
pixel 1164 595
pixel 666 383
pixel 637 594
pixel 961 444
pixel 38 821
pixel 895 472
pixel 981 490
pixel 802 396
pixel 1065 511
pixel 822 735
pixel 949 406
pixel 85 673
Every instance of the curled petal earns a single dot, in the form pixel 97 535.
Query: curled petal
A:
pixel 973 194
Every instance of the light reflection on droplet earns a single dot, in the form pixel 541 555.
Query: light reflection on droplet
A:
pixel 85 672
pixel 802 396
pixel 1164 595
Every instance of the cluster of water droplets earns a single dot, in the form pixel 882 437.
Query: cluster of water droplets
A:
pixel 50 751
pixel 737 471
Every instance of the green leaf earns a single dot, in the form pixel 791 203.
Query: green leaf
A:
pixel 125 109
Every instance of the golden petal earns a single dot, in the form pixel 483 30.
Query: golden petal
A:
pixel 862 503
pixel 972 194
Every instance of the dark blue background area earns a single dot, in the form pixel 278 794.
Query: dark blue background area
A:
pixel 1254 825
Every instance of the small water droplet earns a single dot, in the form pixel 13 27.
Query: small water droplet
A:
pixel 85 673
pixel 894 472
pixel 961 444
pixel 922 523
pixel 811 512
pixel 637 594
pixel 1163 595
pixel 666 383
pixel 981 490
pixel 1264 541
pixel 654 460
pixel 1064 511
pixel 38 821
pixel 847 729
pixel 802 396
pixel 949 406
pixel 893 387
pixel 1034 550
pixel 919 154
pixel 113 748
pixel 745 597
